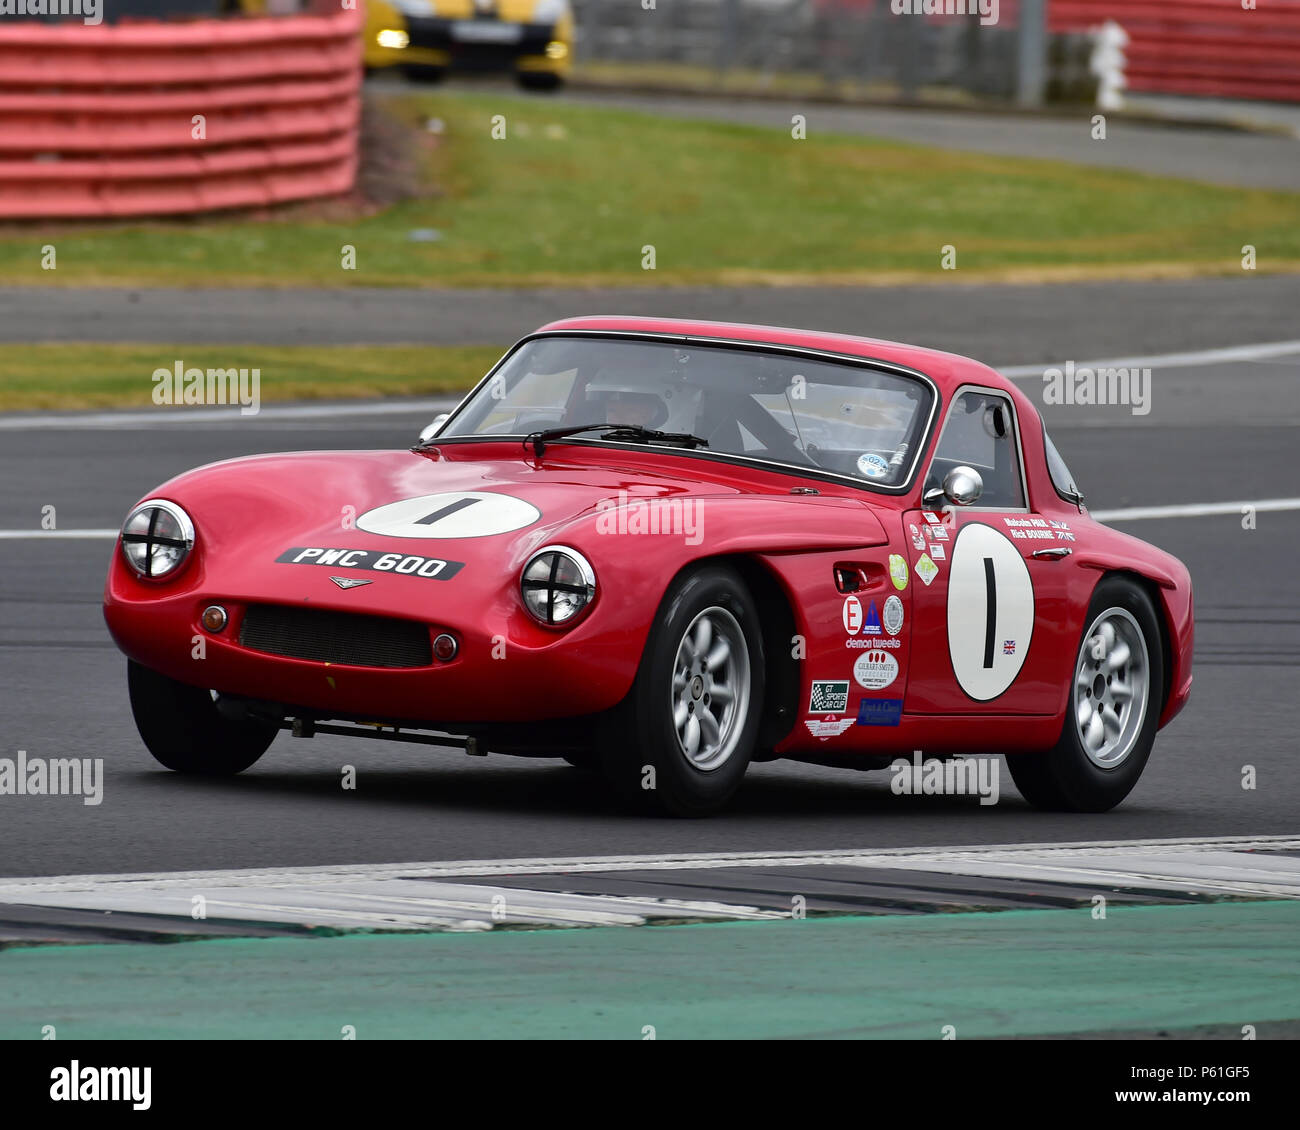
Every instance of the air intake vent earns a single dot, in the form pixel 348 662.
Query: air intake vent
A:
pixel 335 637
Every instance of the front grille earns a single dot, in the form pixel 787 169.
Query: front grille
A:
pixel 335 637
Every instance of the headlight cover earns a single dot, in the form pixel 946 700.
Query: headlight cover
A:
pixel 557 584
pixel 157 537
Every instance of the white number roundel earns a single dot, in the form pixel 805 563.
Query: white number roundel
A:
pixel 990 611
pixel 456 514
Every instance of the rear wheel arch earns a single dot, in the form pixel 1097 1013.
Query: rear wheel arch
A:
pixel 1152 590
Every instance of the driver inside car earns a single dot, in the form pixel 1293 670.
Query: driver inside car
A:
pixel 623 402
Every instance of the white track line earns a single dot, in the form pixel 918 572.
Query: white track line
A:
pixel 1192 510
pixel 166 417
pixel 1261 352
pixel 14 889
pixel 42 535
pixel 435 896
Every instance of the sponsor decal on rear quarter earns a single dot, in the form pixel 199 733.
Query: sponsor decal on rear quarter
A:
pixel 880 711
pixel 829 728
pixel 898 571
pixel 852 615
pixel 893 615
pixel 875 670
pixel 829 696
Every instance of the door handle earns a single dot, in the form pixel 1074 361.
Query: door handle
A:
pixel 1056 553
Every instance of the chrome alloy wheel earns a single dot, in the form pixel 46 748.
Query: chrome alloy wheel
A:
pixel 1112 685
pixel 710 691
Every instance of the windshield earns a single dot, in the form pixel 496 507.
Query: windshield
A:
pixel 833 416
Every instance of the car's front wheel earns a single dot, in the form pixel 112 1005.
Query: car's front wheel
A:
pixel 183 729
pixel 1113 711
pixel 681 740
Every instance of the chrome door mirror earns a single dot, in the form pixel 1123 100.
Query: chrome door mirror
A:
pixel 432 429
pixel 962 486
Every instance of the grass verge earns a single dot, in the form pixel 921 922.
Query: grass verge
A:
pixel 121 376
pixel 573 194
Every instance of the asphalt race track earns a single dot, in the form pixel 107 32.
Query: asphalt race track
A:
pixel 1218 431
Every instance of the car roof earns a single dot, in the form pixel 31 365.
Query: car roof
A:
pixel 946 369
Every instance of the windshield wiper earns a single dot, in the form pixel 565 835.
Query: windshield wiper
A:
pixel 540 439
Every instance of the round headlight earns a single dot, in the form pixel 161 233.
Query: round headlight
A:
pixel 557 584
pixel 157 536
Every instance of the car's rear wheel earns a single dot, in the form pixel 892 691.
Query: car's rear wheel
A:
pixel 1113 712
pixel 681 740
pixel 183 729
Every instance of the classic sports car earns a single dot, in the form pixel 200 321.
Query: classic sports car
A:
pixel 533 39
pixel 664 549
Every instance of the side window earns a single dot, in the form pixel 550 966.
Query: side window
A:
pixel 1062 480
pixel 980 432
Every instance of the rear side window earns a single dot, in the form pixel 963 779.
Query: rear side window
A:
pixel 1062 480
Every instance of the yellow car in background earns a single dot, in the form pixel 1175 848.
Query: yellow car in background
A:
pixel 427 38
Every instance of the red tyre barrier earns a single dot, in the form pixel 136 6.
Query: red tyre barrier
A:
pixel 1210 48
pixel 100 120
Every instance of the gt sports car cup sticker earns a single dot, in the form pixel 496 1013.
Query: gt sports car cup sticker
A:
pixel 456 514
pixel 990 611
pixel 875 670
pixel 880 711
pixel 926 569
pixel 918 538
pixel 872 466
pixel 829 728
pixel 893 615
pixel 829 696
pixel 852 615
pixel 898 571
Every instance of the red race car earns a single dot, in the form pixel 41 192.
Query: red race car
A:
pixel 665 549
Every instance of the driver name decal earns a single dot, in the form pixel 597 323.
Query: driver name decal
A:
pixel 376 560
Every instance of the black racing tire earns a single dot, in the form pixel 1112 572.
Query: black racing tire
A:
pixel 641 753
pixel 183 729
pixel 1068 778
pixel 539 80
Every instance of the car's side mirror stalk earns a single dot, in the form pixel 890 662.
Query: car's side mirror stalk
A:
pixel 434 427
